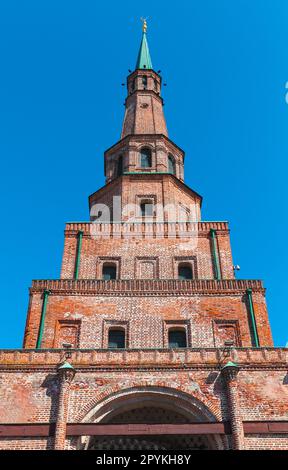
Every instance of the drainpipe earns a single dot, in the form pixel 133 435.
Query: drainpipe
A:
pixel 42 319
pixel 215 254
pixel 78 254
pixel 252 318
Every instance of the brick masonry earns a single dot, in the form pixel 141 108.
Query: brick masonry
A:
pixel 146 301
pixel 30 386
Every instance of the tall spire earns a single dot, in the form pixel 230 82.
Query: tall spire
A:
pixel 144 60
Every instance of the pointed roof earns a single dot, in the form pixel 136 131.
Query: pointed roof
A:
pixel 65 365
pixel 144 61
pixel 230 364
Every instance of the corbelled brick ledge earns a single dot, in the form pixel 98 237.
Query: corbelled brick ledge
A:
pixel 147 229
pixel 146 286
pixel 145 358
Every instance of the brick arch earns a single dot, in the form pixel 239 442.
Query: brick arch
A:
pixel 115 392
pixel 107 403
pixel 143 144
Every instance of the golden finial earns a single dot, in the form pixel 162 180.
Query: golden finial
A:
pixel 144 26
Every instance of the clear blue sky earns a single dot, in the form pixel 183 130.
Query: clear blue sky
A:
pixel 61 105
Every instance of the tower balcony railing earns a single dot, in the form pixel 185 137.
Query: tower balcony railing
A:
pixel 151 286
pixel 184 358
pixel 146 228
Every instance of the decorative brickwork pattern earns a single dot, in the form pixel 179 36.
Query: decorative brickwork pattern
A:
pixel 144 266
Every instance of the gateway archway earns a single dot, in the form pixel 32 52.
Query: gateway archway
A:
pixel 150 407
pixel 149 414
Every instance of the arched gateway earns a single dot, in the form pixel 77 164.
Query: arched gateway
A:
pixel 148 407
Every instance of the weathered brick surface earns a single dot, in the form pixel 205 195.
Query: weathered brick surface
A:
pixel 28 396
pixel 129 149
pixel 169 252
pixel 169 195
pixel 144 111
pixel 263 395
pixel 206 318
pixel 266 442
pixel 145 301
pixel 33 392
pixel 25 443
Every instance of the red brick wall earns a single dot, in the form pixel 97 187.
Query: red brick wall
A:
pixel 81 312
pixel 30 396
pixel 144 110
pixel 165 189
pixel 169 252
pixel 146 316
pixel 263 395
pixel 27 397
pixel 266 442
pixel 25 443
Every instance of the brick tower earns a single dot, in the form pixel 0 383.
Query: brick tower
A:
pixel 147 340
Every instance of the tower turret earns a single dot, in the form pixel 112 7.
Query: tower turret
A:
pixel 144 146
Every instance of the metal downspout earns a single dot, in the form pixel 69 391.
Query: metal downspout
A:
pixel 78 254
pixel 215 254
pixel 42 319
pixel 252 318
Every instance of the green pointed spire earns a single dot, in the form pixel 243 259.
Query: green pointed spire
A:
pixel 144 61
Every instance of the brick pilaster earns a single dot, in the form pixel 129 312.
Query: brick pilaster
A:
pixel 230 373
pixel 66 374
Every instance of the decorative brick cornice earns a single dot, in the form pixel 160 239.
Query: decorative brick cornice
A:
pixel 145 230
pixel 146 287
pixel 143 359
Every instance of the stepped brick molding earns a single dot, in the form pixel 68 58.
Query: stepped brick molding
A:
pixel 145 286
pixel 147 340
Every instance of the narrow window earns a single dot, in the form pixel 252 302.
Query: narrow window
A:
pixel 144 81
pixel 171 165
pixel 133 85
pixel 177 339
pixel 108 272
pixel 185 271
pixel 146 209
pixel 116 339
pixel 120 166
pixel 145 158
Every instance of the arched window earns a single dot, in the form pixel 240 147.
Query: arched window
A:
pixel 109 271
pixel 185 271
pixel 120 166
pixel 145 158
pixel 177 338
pixel 116 339
pixel 144 81
pixel 171 165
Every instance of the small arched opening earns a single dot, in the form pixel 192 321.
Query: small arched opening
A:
pixel 145 158
pixel 171 165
